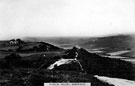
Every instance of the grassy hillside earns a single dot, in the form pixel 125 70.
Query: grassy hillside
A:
pixel 22 64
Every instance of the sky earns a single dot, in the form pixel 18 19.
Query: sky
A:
pixel 58 18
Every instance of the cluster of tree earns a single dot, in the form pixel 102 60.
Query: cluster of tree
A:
pixel 34 48
pixel 12 59
pixel 15 60
pixel 41 47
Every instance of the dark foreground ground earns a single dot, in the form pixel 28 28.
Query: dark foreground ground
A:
pixel 36 77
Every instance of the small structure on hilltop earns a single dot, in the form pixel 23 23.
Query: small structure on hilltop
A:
pixel 15 41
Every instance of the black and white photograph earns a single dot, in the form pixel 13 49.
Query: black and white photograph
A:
pixel 67 42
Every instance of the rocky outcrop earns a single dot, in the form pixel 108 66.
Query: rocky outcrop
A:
pixel 95 64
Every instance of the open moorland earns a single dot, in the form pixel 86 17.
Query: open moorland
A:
pixel 100 61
